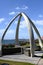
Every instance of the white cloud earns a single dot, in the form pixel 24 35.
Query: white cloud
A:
pixel 1 32
pixel 11 31
pixel 25 7
pixel 1 20
pixel 40 28
pixel 17 8
pixel 22 8
pixel 22 24
pixel 38 22
pixel 10 34
pixel 40 16
pixel 12 13
pixel 16 22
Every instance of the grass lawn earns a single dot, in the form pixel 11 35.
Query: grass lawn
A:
pixel 15 63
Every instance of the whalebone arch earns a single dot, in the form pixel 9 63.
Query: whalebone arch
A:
pixel 30 25
pixel 30 22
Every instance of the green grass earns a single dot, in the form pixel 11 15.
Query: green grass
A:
pixel 15 63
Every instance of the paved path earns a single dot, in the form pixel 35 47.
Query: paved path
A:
pixel 24 58
pixel 21 58
pixel 40 62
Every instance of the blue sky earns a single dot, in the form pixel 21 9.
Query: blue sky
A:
pixel 10 8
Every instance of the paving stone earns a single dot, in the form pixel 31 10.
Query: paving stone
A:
pixel 21 58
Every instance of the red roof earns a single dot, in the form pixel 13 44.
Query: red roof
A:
pixel 42 37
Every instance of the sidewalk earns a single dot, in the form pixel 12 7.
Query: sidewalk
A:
pixel 22 58
pixel 40 62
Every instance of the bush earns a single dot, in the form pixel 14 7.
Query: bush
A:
pixel 8 46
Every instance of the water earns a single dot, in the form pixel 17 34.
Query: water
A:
pixel 13 41
pixel 8 42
